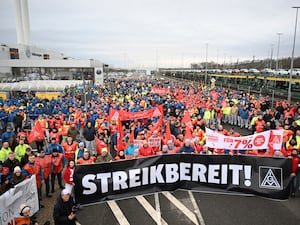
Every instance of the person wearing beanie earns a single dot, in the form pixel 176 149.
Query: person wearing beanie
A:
pixel 79 152
pixel 105 156
pixel 17 177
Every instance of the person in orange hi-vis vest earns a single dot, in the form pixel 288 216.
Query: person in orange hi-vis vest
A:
pixel 56 169
pixel 69 147
pixel 45 162
pixel 33 168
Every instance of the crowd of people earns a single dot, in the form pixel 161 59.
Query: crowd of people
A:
pixel 71 131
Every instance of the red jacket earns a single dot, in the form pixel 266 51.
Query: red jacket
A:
pixel 146 151
pixel 68 175
pixel 295 162
pixel 57 163
pixel 45 163
pixel 34 169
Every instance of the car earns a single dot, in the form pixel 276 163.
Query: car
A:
pixel 254 71
pixel 235 71
pixel 244 70
pixel 267 71
pixel 296 72
pixel 281 72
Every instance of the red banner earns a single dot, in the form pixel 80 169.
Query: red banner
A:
pixel 123 115
pixel 36 134
pixel 160 91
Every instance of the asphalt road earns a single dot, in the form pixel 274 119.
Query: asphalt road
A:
pixel 177 208
pixel 186 207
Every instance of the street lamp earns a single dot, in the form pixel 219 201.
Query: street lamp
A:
pixel 292 60
pixel 205 81
pixel 278 44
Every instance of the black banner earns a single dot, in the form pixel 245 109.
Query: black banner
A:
pixel 263 176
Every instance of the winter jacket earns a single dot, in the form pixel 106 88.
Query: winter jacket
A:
pixel 62 210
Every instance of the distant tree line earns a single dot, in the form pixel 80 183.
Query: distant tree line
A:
pixel 284 63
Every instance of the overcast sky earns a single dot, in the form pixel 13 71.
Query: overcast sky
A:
pixel 164 33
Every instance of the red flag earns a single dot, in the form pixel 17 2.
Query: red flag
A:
pixel 99 145
pixel 188 134
pixel 168 131
pixel 187 120
pixel 131 137
pixel 120 135
pixel 36 134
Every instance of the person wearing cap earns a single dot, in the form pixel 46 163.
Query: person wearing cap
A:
pixel 187 148
pixel 79 152
pixel 86 158
pixel 24 218
pixel 53 145
pixel 20 149
pixel 56 169
pixel 105 156
pixel 17 177
pixel 64 213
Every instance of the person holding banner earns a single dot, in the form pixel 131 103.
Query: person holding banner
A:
pixel 24 218
pixel 295 169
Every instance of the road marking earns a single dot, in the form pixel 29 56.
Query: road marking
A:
pixel 118 213
pixel 196 207
pixel 151 211
pixel 157 206
pixel 181 207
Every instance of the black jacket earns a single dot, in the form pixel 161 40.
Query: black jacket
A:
pixel 62 210
pixel 89 133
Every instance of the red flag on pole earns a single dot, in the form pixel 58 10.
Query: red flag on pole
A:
pixel 120 135
pixel 100 145
pixel 131 137
pixel 168 131
pixel 187 120
pixel 188 134
pixel 36 134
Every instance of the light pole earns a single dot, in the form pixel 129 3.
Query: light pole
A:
pixel 271 56
pixel 278 44
pixel 292 60
pixel 205 81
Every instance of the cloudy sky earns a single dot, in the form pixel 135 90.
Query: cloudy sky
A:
pixel 163 33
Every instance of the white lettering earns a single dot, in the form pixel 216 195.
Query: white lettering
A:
pixel 199 171
pixel 172 175
pixel 104 181
pixel 145 178
pixel 155 174
pixel 213 173
pixel 88 184
pixel 134 178
pixel 119 180
pixel 185 169
pixel 236 173
pixel 224 173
